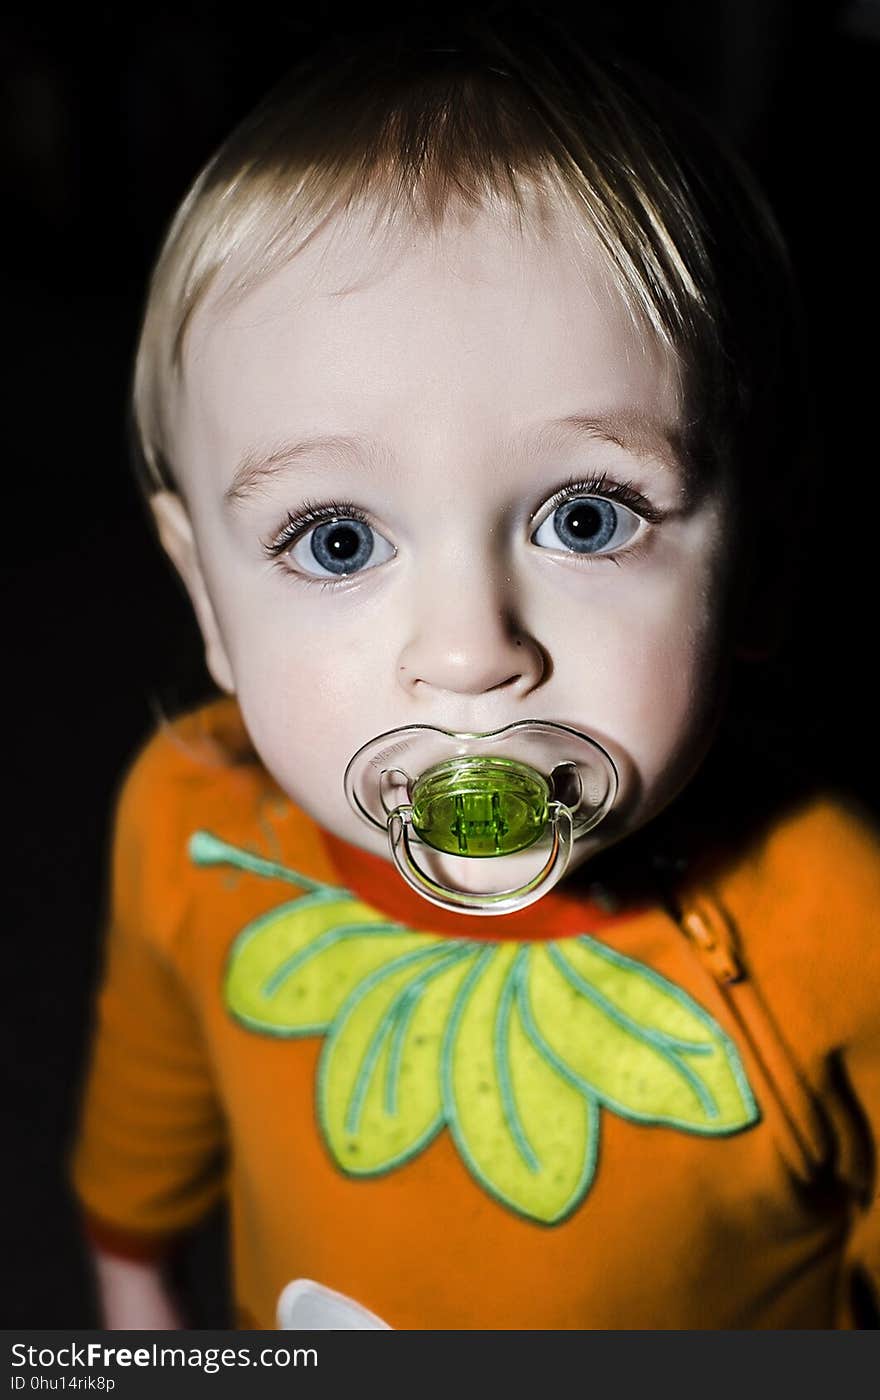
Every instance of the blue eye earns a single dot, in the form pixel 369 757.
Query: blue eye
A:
pixel 587 525
pixel 338 548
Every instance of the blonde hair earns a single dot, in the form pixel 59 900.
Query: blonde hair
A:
pixel 509 112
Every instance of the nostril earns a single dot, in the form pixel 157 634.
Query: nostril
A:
pixel 471 661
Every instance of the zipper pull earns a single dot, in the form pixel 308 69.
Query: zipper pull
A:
pixel 708 931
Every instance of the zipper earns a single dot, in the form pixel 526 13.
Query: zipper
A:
pixel 803 1134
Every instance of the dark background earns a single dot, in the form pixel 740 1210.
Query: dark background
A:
pixel 107 116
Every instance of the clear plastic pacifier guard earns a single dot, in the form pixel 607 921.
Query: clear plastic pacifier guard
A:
pixel 450 798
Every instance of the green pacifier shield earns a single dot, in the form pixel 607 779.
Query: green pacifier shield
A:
pixel 477 806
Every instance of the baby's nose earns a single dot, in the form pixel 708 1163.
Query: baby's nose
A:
pixel 467 641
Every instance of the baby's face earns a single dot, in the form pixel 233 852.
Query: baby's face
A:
pixel 443 487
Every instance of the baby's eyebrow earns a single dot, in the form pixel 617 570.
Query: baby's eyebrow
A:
pixel 639 434
pixel 261 464
pixel 636 433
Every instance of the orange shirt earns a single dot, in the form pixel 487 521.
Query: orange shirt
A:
pixel 552 1119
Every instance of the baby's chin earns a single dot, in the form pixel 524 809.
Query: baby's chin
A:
pixel 638 799
pixel 483 875
pixel 488 874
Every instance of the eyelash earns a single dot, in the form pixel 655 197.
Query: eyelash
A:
pixel 625 493
pixel 319 512
pixel 310 514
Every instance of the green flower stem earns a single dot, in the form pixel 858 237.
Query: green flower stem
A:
pixel 205 849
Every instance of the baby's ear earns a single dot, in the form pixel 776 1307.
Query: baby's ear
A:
pixel 176 536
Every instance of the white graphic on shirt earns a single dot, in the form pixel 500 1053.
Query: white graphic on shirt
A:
pixel 306 1306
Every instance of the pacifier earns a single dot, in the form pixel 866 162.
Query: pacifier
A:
pixel 445 799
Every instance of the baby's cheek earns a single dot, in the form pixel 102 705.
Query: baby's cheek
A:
pixel 661 679
pixel 306 694
pixel 665 683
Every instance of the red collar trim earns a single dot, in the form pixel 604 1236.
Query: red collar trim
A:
pixel 376 881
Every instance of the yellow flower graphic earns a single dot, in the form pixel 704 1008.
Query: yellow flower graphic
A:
pixel 512 1047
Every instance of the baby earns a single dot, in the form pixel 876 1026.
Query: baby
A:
pixel 468 395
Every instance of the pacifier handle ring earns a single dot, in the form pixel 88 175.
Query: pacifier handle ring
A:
pixel 500 902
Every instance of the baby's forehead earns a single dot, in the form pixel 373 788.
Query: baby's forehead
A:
pixel 459 327
pixel 360 255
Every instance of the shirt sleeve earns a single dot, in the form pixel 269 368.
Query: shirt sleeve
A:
pixel 148 1160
